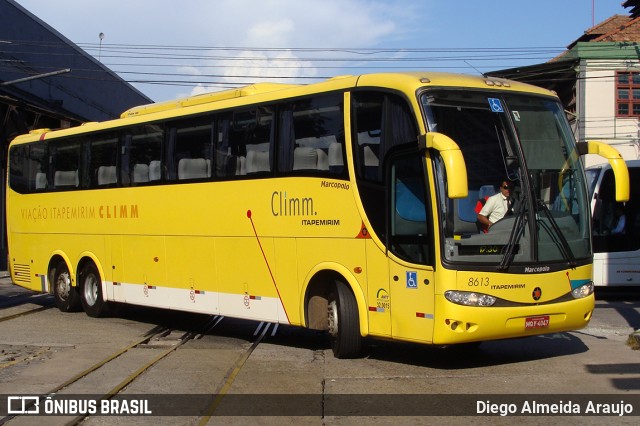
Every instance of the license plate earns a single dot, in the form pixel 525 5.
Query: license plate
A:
pixel 536 322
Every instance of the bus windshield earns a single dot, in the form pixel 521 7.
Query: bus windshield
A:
pixel 522 167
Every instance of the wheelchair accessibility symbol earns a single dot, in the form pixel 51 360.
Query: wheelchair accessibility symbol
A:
pixel 412 279
pixel 496 105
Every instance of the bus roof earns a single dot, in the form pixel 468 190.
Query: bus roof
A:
pixel 379 80
pixel 408 82
pixel 205 98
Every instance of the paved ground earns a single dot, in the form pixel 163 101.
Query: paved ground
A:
pixel 40 351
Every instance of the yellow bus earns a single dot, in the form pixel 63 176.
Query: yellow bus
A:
pixel 346 205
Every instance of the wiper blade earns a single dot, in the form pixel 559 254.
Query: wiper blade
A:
pixel 516 233
pixel 563 244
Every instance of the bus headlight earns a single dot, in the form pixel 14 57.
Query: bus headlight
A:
pixel 583 290
pixel 468 298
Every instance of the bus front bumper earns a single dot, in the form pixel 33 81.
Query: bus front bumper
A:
pixel 460 324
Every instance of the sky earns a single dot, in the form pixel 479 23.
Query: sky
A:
pixel 169 49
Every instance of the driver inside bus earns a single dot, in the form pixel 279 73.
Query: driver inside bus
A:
pixel 497 206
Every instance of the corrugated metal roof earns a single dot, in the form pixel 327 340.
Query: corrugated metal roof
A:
pixel 28 47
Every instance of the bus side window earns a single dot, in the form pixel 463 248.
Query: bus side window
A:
pixel 368 129
pixel 38 164
pixel 228 162
pixel 65 164
pixel 382 121
pixel 143 154
pixel 103 154
pixel 28 167
pixel 256 133
pixel 632 209
pixel 19 165
pixel 191 149
pixel 312 136
pixel 607 215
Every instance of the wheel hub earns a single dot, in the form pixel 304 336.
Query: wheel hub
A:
pixel 63 286
pixel 333 318
pixel 90 288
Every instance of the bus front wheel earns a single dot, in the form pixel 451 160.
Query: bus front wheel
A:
pixel 91 292
pixel 66 296
pixel 344 324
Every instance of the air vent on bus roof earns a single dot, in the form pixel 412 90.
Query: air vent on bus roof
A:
pixel 204 98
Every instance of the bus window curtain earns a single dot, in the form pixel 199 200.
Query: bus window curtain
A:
pixel 402 129
pixel 397 127
pixel 287 141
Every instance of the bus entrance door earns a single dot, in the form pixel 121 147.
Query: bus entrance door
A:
pixel 411 286
pixel 411 303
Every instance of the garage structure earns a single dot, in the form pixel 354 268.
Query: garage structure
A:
pixel 46 81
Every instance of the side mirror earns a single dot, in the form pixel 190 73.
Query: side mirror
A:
pixel 453 162
pixel 616 161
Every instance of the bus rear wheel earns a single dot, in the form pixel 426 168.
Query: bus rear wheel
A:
pixel 66 295
pixel 344 323
pixel 91 292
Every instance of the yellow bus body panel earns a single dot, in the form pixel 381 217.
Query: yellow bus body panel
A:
pixel 204 238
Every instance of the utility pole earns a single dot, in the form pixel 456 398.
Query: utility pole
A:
pixel 100 36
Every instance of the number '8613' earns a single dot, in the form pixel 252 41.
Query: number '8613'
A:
pixel 478 282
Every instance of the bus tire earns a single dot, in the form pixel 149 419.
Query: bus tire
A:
pixel 66 295
pixel 344 323
pixel 91 296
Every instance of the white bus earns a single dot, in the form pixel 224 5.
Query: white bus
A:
pixel 616 258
